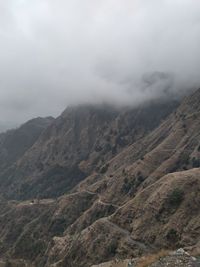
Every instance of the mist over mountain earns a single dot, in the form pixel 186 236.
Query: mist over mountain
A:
pixel 99 183
pixel 60 53
pixel 99 133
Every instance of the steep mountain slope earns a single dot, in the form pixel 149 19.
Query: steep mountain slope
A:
pixel 78 142
pixel 26 228
pixel 171 147
pixel 164 215
pixel 140 195
pixel 14 143
pixel 149 202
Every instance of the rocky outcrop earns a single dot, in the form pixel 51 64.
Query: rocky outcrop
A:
pixel 179 258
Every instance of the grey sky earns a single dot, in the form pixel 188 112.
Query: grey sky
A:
pixel 55 53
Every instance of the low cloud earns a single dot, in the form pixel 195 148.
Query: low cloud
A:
pixel 58 53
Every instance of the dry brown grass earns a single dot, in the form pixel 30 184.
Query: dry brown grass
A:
pixel 195 252
pixel 149 259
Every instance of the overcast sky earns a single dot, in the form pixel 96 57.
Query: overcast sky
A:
pixel 59 52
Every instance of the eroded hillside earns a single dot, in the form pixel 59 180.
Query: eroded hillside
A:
pixel 80 141
pixel 105 183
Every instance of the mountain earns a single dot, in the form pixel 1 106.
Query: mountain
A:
pixel 101 183
pixel 75 144
pixel 14 143
pixel 172 147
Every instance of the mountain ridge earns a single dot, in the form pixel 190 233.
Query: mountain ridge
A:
pixel 77 142
pixel 142 197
